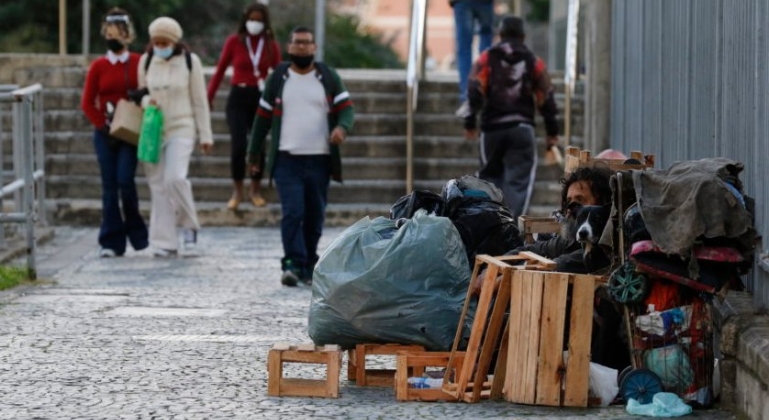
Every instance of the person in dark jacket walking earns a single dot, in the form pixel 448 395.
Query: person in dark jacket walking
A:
pixel 308 112
pixel 508 83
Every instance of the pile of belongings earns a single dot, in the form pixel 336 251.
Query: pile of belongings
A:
pixel 404 279
pixel 692 224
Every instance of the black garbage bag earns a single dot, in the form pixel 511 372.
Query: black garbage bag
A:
pixel 380 284
pixel 406 206
pixel 477 209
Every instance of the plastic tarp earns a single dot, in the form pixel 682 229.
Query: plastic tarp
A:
pixel 380 284
pixel 664 404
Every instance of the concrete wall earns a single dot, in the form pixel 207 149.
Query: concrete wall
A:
pixel 20 68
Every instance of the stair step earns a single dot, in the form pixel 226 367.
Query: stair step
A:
pixel 220 190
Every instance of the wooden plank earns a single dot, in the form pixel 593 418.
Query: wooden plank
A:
pixel 532 315
pixel 447 378
pixel 492 332
pixel 296 356
pixel 515 362
pixel 274 373
pixel 500 370
pixel 306 347
pixel 332 374
pixel 580 331
pixel 294 387
pixel 281 346
pixel 546 262
pixel 391 349
pixel 479 325
pixel 551 340
pixel 401 377
pixel 332 347
pixel 360 365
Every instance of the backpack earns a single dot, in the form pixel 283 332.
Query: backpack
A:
pixel 511 69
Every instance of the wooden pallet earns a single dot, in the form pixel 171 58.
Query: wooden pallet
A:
pixel 356 363
pixel 329 355
pixel 489 332
pixel 576 158
pixel 531 261
pixel 536 371
pixel 408 362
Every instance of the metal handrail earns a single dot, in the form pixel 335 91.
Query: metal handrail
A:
pixel 415 71
pixel 28 154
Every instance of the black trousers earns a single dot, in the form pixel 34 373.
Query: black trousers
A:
pixel 241 111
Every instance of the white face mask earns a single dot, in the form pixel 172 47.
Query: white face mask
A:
pixel 254 27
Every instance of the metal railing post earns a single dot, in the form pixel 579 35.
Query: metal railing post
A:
pixel 27 147
pixel 414 73
pixel 40 157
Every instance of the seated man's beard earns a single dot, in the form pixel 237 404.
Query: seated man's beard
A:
pixel 569 228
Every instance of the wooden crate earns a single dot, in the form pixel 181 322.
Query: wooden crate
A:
pixel 536 372
pixel 576 158
pixel 408 362
pixel 356 363
pixel 529 225
pixel 329 355
pixel 489 332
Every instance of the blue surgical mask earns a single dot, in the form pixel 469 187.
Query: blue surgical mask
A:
pixel 163 52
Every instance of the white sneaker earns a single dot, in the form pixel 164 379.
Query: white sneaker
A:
pixel 164 253
pixel 190 238
pixel 107 253
pixel 463 111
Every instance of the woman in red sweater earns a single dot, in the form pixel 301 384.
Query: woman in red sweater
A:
pixel 108 80
pixel 253 53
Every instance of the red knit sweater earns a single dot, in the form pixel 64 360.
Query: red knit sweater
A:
pixel 106 82
pixel 235 53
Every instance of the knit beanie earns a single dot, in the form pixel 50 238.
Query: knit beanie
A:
pixel 166 27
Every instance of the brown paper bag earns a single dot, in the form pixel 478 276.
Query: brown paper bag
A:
pixel 554 156
pixel 127 122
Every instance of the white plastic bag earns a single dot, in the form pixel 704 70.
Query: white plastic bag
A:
pixel 603 383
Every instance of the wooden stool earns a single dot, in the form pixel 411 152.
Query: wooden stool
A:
pixel 408 362
pixel 356 364
pixel 329 355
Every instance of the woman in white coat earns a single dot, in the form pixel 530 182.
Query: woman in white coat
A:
pixel 173 80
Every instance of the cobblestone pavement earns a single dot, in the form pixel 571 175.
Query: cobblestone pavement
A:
pixel 186 338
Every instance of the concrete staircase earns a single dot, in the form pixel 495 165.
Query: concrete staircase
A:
pixel 374 164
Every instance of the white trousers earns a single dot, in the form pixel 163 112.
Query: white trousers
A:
pixel 171 193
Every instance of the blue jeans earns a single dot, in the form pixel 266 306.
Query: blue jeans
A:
pixel 302 182
pixel 466 14
pixel 117 164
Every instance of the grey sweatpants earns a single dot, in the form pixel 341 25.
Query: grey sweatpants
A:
pixel 509 161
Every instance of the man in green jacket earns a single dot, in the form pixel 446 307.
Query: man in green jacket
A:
pixel 308 112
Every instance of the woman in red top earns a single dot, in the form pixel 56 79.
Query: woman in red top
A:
pixel 253 53
pixel 108 80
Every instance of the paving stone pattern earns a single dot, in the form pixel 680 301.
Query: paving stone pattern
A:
pixel 187 338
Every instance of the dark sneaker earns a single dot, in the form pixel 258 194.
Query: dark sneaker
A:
pixel 307 276
pixel 289 278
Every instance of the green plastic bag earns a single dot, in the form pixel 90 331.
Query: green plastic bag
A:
pixel 151 135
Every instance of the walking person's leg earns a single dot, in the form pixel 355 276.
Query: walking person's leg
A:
pixel 162 213
pixel 237 121
pixel 112 234
pixel 288 175
pixel 135 228
pixel 463 32
pixel 484 15
pixel 317 179
pixel 176 167
pixel 491 149
pixel 520 167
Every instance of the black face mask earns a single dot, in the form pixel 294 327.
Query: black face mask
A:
pixel 301 61
pixel 114 45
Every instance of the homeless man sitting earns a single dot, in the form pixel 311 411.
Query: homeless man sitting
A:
pixel 584 187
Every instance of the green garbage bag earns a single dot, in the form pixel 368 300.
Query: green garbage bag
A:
pixel 151 135
pixel 380 283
